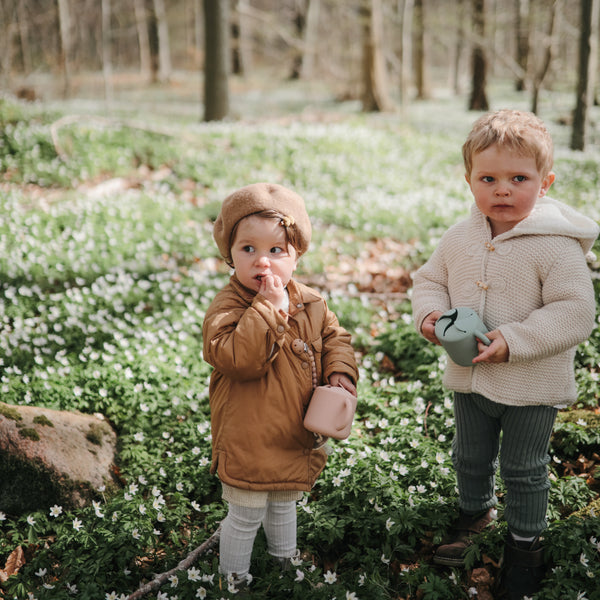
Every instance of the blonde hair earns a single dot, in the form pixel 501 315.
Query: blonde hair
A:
pixel 522 132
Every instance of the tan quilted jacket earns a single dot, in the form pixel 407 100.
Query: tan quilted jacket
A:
pixel 260 386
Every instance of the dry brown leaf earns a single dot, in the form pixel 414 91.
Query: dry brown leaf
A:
pixel 14 562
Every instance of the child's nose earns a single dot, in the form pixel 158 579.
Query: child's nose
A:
pixel 502 190
pixel 262 259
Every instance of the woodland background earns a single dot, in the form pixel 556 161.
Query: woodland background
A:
pixel 387 53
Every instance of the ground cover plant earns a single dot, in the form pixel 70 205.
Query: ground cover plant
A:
pixel 107 267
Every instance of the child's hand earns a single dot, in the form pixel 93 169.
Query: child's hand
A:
pixel 272 289
pixel 496 352
pixel 428 326
pixel 339 379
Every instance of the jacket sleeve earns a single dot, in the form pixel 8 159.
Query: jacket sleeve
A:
pixel 242 341
pixel 567 316
pixel 338 353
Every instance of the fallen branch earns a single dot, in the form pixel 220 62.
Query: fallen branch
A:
pixel 186 563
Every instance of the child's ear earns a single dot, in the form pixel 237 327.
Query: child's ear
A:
pixel 468 178
pixel 546 183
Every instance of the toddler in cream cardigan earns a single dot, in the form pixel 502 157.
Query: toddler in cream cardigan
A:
pixel 519 261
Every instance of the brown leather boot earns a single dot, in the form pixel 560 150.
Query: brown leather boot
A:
pixel 451 553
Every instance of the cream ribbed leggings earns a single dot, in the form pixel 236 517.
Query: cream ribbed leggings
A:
pixel 239 529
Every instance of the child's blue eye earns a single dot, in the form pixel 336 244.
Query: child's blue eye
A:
pixel 248 248
pixel 487 179
pixel 520 178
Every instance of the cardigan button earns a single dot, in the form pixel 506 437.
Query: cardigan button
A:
pixel 305 365
pixel 280 328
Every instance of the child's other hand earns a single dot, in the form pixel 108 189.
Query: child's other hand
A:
pixel 339 379
pixel 272 289
pixel 428 326
pixel 496 352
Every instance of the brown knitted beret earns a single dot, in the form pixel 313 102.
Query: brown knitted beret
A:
pixel 255 198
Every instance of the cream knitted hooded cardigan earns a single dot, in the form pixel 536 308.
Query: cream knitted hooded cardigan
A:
pixel 533 284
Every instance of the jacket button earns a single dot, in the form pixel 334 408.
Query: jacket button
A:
pixel 305 365
pixel 280 328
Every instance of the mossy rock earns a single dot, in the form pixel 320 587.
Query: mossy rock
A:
pixel 591 419
pixel 591 511
pixel 52 457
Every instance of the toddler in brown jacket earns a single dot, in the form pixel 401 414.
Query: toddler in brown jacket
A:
pixel 260 334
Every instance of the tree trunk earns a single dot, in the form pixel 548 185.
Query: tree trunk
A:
pixel 311 38
pixel 6 35
pixel 405 70
pixel 550 43
pixel 588 22
pixel 478 99
pixel 458 48
pixel 237 58
pixel 216 69
pixel 522 12
pixel 164 51
pixel 419 49
pixel 375 93
pixel 106 54
pixel 64 18
pixel 299 23
pixel 24 36
pixel 141 23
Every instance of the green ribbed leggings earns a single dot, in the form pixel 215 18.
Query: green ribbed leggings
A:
pixel 520 435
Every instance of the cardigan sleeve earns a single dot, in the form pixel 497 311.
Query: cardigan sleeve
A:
pixel 567 316
pixel 430 287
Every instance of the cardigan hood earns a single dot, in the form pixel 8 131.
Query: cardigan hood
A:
pixel 551 217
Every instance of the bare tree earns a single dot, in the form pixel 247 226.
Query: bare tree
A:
pixel 375 93
pixel 311 39
pixel 585 80
pixel 549 45
pixel 23 23
pixel 405 70
pixel 6 41
pixel 478 99
pixel 141 23
pixel 458 46
pixel 216 69
pixel 106 53
pixel 522 12
pixel 64 17
pixel 419 49
pixel 237 55
pixel 164 47
pixel 299 21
